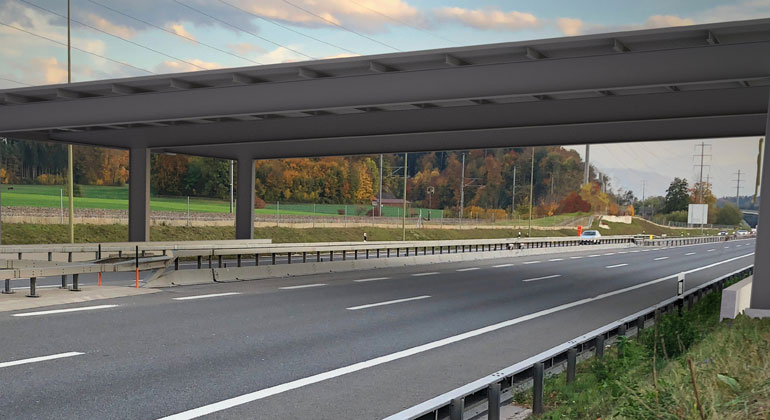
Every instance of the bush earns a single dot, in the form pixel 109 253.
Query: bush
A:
pixel 729 215
pixel 259 203
pixel 47 179
pixel 573 203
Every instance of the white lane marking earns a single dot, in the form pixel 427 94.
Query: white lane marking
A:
pixel 502 265
pixel 727 247
pixel 645 250
pixel 531 262
pixel 656 249
pixel 390 302
pixel 594 255
pixel 320 377
pixel 622 252
pixel 467 269
pixel 61 311
pixel 206 296
pixel 302 286
pixel 712 249
pixel 575 258
pixel 616 266
pixel 635 251
pixel 553 276
pixel 556 259
pixel 660 258
pixel 610 253
pixel 371 279
pixel 39 359
pixel 690 253
pixel 430 273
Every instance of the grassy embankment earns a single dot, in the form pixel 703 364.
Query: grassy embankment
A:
pixel 652 380
pixel 638 226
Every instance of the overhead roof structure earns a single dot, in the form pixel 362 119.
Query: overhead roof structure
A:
pixel 684 82
pixel 662 84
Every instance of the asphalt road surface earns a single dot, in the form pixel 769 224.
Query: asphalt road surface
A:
pixel 356 345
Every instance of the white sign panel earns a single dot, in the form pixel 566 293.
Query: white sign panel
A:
pixel 697 214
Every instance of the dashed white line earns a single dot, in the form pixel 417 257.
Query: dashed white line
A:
pixel 430 273
pixel 690 253
pixel 39 359
pixel 575 258
pixel 622 252
pixel 371 279
pixel 531 262
pixel 556 259
pixel 61 311
pixel 710 250
pixel 635 251
pixel 390 302
pixel 502 265
pixel 727 247
pixel 594 255
pixel 206 296
pixel 356 367
pixel 616 266
pixel 302 286
pixel 610 253
pixel 467 269
pixel 553 276
pixel 660 258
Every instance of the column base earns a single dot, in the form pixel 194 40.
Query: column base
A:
pixel 757 313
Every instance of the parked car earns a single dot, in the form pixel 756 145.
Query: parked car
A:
pixel 743 232
pixel 590 237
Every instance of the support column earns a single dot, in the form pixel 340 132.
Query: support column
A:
pixel 760 287
pixel 244 206
pixel 139 195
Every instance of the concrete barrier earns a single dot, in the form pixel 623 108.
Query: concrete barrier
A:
pixel 203 276
pixel 736 299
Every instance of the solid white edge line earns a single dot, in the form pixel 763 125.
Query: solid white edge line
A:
pixel 39 359
pixel 467 269
pixel 302 286
pixel 616 265
pixel 61 311
pixel 389 302
pixel 552 276
pixel 371 279
pixel 206 296
pixel 288 386
pixel 430 273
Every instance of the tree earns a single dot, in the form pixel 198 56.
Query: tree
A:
pixel 573 203
pixel 677 196
pixel 729 215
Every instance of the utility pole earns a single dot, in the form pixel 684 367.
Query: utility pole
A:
pixel 513 192
pixel 702 155
pixel 231 186
pixel 587 167
pixel 70 176
pixel 738 189
pixel 403 220
pixel 379 203
pixel 531 190
pixel 462 189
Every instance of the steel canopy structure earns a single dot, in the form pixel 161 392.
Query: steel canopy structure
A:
pixel 702 81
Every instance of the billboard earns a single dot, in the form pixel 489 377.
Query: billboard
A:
pixel 697 214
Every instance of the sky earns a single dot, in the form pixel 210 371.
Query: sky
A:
pixel 113 38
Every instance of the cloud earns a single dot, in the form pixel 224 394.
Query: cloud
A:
pixel 107 26
pixel 341 55
pixel 171 66
pixel 570 26
pixel 179 29
pixel 742 10
pixel 54 71
pixel 665 21
pixel 489 18
pixel 246 48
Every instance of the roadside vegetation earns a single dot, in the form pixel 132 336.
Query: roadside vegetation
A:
pixel 641 226
pixel 652 379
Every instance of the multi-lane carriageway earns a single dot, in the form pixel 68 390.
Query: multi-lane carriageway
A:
pixel 355 345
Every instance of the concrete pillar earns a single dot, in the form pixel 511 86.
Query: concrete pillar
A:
pixel 760 287
pixel 244 207
pixel 139 195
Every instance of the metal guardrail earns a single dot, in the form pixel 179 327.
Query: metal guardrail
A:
pixel 485 394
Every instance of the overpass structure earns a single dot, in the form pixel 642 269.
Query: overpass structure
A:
pixel 662 84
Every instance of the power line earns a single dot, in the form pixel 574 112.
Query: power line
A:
pixel 76 48
pixel 15 81
pixel 172 32
pixel 241 29
pixel 287 28
pixel 403 23
pixel 340 26
pixel 115 36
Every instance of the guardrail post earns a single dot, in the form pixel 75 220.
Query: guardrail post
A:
pixel 7 289
pixel 398 252
pixel 407 250
pixel 639 326
pixel 355 254
pixel 33 287
pixel 304 256
pixel 273 258
pixel 599 346
pixel 344 255
pixel 50 256
pixel 571 364
pixel 493 401
pixel 99 253
pixel 378 253
pixel 456 409
pixel 20 255
pixel 318 256
pixel 176 264
pixel 219 258
pixel 622 329
pixel 75 286
pixel 199 262
pixel 537 388
pixel 367 254
pixel 209 260
pixel 433 250
pixel 331 255
pixel 239 259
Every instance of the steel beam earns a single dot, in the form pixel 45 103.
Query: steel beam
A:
pixel 244 206
pixel 139 195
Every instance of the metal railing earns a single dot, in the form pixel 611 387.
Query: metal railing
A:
pixel 487 394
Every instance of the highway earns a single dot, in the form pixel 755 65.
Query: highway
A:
pixel 358 345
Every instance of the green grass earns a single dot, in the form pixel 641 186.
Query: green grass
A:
pixel 731 362
pixel 638 225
